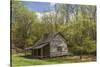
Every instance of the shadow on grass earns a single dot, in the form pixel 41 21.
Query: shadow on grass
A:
pixel 51 60
pixel 62 59
pixel 27 56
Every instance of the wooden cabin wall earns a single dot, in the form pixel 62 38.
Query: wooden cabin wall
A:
pixel 46 51
pixel 55 43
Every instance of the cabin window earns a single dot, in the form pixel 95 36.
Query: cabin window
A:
pixel 59 48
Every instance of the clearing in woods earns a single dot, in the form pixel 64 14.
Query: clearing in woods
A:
pixel 20 60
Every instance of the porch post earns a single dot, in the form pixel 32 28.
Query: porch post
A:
pixel 41 52
pixel 25 50
pixel 37 53
pixel 32 52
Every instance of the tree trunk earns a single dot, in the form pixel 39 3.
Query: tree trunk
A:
pixel 80 57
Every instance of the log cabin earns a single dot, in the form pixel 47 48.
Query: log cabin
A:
pixel 50 45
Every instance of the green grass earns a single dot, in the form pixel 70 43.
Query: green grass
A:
pixel 21 61
pixel 18 60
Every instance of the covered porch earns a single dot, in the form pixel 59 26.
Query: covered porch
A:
pixel 41 51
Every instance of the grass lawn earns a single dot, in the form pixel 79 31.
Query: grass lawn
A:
pixel 18 60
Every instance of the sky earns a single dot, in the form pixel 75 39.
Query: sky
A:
pixel 39 6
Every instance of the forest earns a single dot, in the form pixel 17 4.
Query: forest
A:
pixel 76 22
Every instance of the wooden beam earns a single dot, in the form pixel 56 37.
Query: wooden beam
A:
pixel 25 51
pixel 41 52
pixel 37 52
pixel 32 52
